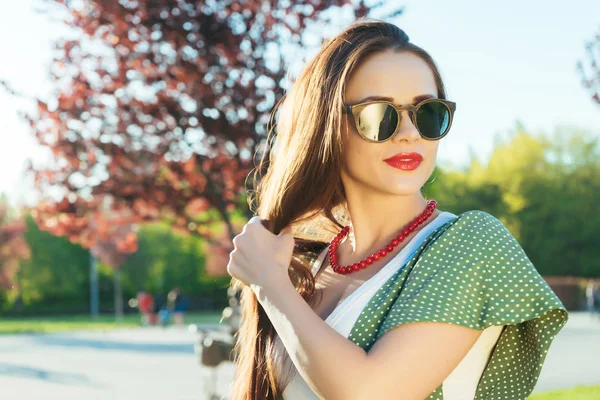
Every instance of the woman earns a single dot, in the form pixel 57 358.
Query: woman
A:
pixel 354 285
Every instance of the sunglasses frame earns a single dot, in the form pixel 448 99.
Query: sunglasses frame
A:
pixel 355 110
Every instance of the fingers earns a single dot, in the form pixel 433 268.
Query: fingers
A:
pixel 256 220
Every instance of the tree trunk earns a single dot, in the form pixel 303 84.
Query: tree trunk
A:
pixel 94 303
pixel 118 296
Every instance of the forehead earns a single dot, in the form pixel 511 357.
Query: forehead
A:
pixel 398 75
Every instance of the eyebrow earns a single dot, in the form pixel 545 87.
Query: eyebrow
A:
pixel 416 99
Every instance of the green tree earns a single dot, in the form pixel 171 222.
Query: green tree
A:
pixel 544 188
pixel 54 277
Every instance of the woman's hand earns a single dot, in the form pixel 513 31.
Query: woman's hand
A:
pixel 260 259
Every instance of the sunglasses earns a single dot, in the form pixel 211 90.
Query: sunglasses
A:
pixel 378 121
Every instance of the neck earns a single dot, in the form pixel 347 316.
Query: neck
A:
pixel 375 221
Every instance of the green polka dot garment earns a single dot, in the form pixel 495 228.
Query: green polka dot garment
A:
pixel 472 272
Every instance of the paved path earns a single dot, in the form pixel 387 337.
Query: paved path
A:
pixel 574 357
pixel 140 363
pixel 155 364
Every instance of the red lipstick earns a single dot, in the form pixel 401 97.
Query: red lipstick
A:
pixel 405 161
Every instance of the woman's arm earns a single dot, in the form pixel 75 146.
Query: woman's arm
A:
pixel 408 362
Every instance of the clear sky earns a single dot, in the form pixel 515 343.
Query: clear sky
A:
pixel 502 61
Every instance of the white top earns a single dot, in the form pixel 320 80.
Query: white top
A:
pixel 461 384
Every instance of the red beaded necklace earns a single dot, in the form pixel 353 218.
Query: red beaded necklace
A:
pixel 431 205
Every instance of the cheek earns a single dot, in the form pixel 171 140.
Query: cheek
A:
pixel 432 151
pixel 358 154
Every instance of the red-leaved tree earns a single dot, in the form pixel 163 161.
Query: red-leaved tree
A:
pixel 161 106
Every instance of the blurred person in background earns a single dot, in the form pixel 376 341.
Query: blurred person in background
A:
pixel 589 296
pixel 592 296
pixel 145 303
pixel 176 305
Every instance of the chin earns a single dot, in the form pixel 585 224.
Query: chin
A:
pixel 402 187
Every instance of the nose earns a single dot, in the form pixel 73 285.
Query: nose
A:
pixel 407 131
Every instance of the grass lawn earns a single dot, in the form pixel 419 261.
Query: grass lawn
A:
pixel 577 393
pixel 70 323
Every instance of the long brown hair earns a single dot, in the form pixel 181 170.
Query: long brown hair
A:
pixel 301 187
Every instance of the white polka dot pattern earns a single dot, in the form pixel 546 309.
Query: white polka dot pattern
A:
pixel 472 272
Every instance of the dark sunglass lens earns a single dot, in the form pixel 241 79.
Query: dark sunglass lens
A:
pixel 433 119
pixel 377 121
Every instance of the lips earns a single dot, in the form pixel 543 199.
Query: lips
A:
pixel 405 157
pixel 405 161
